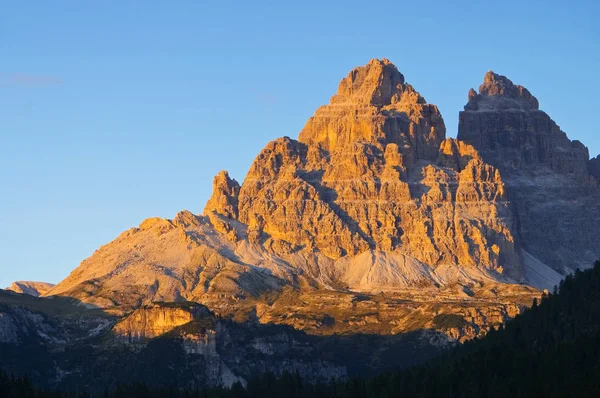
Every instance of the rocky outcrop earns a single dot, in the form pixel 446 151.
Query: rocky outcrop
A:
pixel 548 176
pixel 280 207
pixel 594 167
pixel 34 289
pixel 374 104
pixel 149 322
pixel 498 93
pixel 455 154
pixel 224 199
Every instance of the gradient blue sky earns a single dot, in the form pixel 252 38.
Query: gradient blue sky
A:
pixel 115 111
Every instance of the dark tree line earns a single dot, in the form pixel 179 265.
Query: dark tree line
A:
pixel 551 350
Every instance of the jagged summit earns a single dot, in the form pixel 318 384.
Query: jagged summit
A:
pixel 374 104
pixel 379 83
pixel 224 196
pixel 522 140
pixel 498 92
pixel 549 176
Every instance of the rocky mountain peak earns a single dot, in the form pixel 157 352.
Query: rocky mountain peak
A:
pixel 377 84
pixel 456 154
pixel 547 174
pixel 499 92
pixel 374 104
pixel 225 195
pixel 504 123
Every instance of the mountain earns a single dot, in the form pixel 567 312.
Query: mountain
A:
pixel 372 241
pixel 35 289
pixel 552 183
pixel 372 221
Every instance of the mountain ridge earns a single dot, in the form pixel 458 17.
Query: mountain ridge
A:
pixel 549 177
pixel 371 241
pixel 31 288
pixel 371 199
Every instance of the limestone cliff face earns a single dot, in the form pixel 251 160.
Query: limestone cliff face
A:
pixel 549 177
pixel 149 322
pixel 226 353
pixel 372 170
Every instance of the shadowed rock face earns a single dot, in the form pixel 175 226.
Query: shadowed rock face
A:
pixel 548 176
pixel 594 167
pixel 159 344
pixel 499 93
pixel 504 124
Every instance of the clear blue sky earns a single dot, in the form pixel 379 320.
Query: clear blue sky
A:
pixel 115 111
